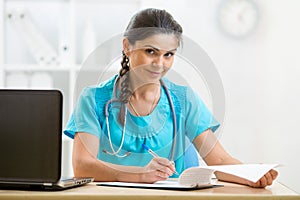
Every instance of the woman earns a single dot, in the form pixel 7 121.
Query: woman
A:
pixel 109 138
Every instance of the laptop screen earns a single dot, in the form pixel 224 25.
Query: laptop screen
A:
pixel 30 135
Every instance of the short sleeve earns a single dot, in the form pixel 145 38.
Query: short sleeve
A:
pixel 198 116
pixel 84 117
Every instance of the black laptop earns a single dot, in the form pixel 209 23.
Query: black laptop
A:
pixel 31 140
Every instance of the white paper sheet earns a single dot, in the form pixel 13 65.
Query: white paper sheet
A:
pixel 252 172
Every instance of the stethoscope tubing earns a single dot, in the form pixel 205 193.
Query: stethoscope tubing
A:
pixel 106 112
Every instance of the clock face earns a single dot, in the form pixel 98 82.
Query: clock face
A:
pixel 238 17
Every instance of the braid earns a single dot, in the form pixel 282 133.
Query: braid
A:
pixel 125 91
pixel 124 64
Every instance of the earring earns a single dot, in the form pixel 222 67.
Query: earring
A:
pixel 127 62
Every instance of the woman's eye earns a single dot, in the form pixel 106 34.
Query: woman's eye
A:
pixel 150 51
pixel 169 54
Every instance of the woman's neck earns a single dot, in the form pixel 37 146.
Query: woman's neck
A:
pixel 144 99
pixel 146 92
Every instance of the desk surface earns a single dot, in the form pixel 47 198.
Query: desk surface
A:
pixel 91 191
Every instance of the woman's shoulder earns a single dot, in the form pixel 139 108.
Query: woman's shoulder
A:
pixel 176 88
pixel 106 85
pixel 182 94
pixel 109 83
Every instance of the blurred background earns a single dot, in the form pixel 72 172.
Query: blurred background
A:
pixel 254 45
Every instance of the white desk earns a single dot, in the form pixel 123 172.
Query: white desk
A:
pixel 91 192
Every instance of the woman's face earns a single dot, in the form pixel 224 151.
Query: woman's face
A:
pixel 152 57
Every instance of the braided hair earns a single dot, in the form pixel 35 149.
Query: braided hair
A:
pixel 125 92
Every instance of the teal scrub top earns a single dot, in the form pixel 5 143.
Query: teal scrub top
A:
pixel 154 130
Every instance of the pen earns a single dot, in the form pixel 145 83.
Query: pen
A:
pixel 155 155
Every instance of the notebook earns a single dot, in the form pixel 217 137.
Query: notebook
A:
pixel 31 140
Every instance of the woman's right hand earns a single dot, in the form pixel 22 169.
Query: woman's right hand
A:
pixel 157 169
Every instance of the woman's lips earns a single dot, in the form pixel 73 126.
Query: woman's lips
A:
pixel 154 73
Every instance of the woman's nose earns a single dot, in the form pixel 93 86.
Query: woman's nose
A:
pixel 158 61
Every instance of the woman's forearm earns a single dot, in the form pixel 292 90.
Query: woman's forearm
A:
pixel 101 171
pixel 86 163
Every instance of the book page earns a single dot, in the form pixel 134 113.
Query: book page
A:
pixel 196 176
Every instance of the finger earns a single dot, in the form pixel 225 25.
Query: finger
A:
pixel 162 161
pixel 153 165
pixel 274 174
pixel 269 178
pixel 263 182
pixel 166 170
pixel 161 175
pixel 166 165
pixel 156 165
pixel 172 167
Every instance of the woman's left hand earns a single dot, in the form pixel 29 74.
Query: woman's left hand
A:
pixel 266 180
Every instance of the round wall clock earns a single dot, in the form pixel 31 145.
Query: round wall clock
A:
pixel 238 18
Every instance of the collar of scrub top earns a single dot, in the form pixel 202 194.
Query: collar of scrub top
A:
pixel 115 99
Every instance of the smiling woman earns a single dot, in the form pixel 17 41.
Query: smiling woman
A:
pixel 149 61
pixel 140 107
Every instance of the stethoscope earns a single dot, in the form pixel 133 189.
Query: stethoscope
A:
pixel 115 99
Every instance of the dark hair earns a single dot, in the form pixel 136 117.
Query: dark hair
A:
pixel 149 22
pixel 142 25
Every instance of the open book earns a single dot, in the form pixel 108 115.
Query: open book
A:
pixel 200 177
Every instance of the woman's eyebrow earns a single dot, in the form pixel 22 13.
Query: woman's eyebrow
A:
pixel 157 49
